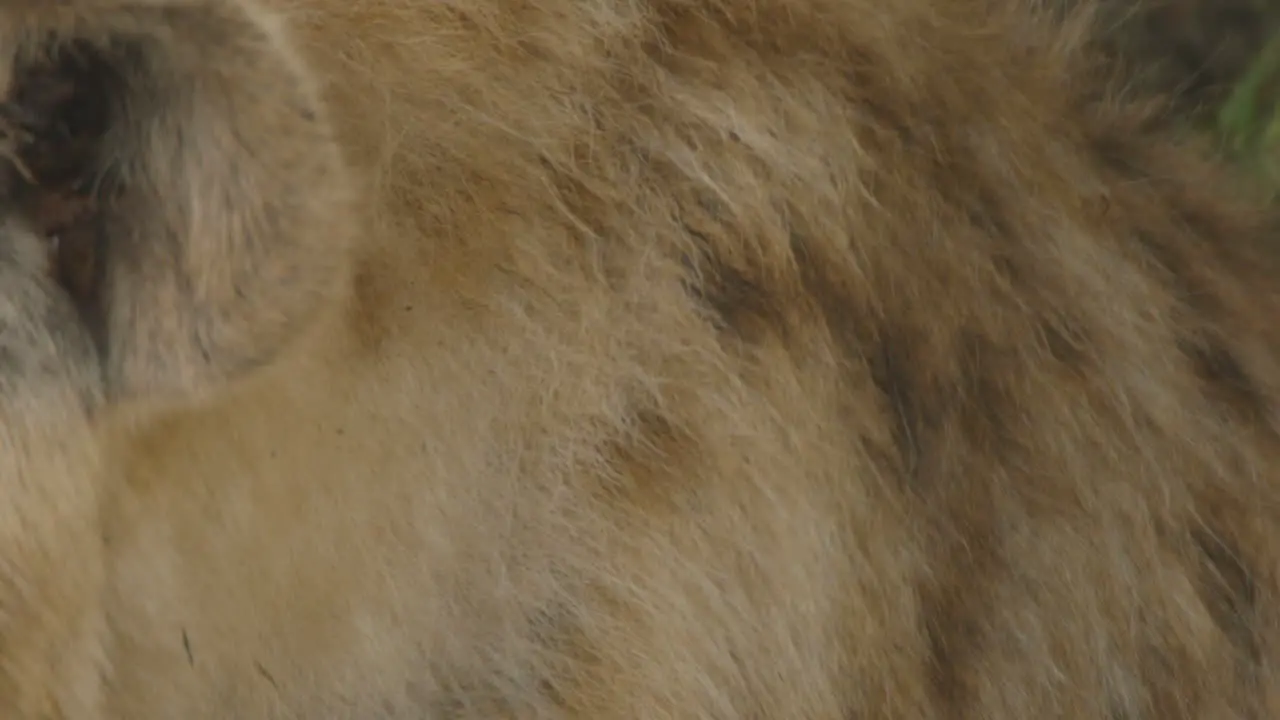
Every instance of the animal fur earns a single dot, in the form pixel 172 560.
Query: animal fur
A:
pixel 604 359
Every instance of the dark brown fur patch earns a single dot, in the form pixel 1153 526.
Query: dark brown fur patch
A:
pixel 738 304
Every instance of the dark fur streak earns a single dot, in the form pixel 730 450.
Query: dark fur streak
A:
pixel 262 671
pixel 737 303
pixel 1064 343
pixel 649 440
pixel 1229 592
pixel 1227 379
pixel 887 355
pixel 891 378
pixel 10 362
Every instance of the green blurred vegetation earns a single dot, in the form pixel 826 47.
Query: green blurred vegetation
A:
pixel 1248 122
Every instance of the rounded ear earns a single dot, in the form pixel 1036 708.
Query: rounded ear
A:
pixel 177 157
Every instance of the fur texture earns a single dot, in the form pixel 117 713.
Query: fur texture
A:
pixel 604 359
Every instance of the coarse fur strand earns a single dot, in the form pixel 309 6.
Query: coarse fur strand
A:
pixel 605 359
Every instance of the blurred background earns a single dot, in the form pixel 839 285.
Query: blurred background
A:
pixel 1219 60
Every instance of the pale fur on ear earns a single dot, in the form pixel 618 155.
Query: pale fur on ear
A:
pixel 219 220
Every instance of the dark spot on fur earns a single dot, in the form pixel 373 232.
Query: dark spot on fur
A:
pixel 889 373
pixel 1006 268
pixel 1229 592
pixel 186 647
pixel 1227 381
pixel 641 456
pixel 837 309
pixel 1066 343
pixel 10 362
pixel 737 304
pixel 265 675
pixel 652 440
pixel 987 212
pixel 932 380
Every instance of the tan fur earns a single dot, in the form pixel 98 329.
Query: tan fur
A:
pixel 605 359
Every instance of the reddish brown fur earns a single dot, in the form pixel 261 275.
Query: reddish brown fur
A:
pixel 605 359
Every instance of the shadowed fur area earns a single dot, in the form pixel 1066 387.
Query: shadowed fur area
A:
pixel 1194 51
pixel 605 359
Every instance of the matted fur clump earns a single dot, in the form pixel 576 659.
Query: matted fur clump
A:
pixel 568 359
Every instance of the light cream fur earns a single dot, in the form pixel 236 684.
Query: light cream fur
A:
pixel 604 359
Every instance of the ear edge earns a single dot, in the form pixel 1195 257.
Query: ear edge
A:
pixel 280 219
